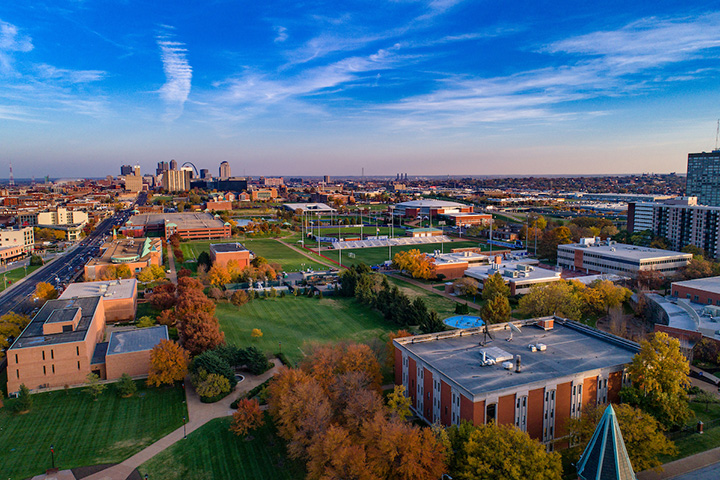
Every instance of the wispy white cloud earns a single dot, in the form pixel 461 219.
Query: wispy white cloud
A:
pixel 69 76
pixel 178 74
pixel 281 34
pixel 11 41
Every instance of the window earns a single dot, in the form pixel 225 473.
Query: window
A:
pixel 53 368
pixel 52 353
pixel 16 357
pixel 78 364
pixel 77 350
pixel 43 354
pixel 44 370
pixel 18 373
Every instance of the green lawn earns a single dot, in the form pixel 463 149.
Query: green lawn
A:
pixel 15 275
pixel 86 432
pixel 694 443
pixel 212 452
pixel 443 306
pixel 269 248
pixel 295 321
pixel 375 255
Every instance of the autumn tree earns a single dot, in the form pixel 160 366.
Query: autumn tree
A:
pixel 256 333
pixel 494 285
pixel 218 275
pixel 123 271
pixel 505 452
pixel 163 296
pixel 93 386
pixel 550 241
pixel 239 298
pixel 11 325
pixel 44 291
pixel 248 416
pixel 557 298
pixel 200 332
pixel 466 286
pixel 496 310
pixel 337 455
pixel 399 403
pixel 415 263
pixel 643 435
pixel 168 363
pixel 699 267
pixel 659 374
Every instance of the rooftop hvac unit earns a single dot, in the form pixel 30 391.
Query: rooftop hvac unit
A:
pixel 541 346
pixel 507 365
pixel 532 348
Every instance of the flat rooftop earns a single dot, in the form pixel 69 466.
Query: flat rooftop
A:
pixel 109 290
pixel 137 340
pixel 127 250
pixel 191 221
pixel 709 284
pixel 227 247
pixel 33 335
pixel 572 348
pixel 430 204
pixel 309 207
pixel 62 315
pixel 626 252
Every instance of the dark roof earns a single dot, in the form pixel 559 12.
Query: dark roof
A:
pixel 62 315
pixel 137 340
pixel 227 247
pixel 99 353
pixel 605 457
pixel 33 335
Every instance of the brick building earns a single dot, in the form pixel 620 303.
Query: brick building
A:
pixel 222 253
pixel 64 343
pixel 189 226
pixel 136 253
pixel 119 297
pixel 700 290
pixel 547 374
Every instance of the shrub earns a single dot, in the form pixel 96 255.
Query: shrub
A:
pixel 126 387
pixel 255 360
pixel 211 362
pixel 94 387
pixel 283 359
pixel 25 400
pixel 145 322
pixel 213 387
pixel 36 260
pixel 256 333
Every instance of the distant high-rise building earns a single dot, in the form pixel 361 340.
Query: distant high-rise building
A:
pixel 326 179
pixel 136 171
pixel 162 167
pixel 176 180
pixel 224 170
pixel 126 170
pixel 703 177
pixel 204 173
pixel 173 164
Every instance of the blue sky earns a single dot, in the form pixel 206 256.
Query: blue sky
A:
pixel 311 88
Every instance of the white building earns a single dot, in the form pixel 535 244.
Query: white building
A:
pixel 594 255
pixel 18 237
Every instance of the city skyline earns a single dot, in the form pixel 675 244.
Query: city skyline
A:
pixel 430 88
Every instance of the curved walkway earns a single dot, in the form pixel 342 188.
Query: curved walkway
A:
pixel 198 414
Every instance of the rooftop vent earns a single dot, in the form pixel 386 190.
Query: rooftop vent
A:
pixel 541 346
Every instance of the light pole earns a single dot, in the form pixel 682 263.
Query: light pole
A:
pixel 52 456
pixel 184 428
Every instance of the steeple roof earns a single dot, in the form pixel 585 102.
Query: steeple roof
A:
pixel 605 457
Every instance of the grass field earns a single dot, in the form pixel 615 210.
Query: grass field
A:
pixel 695 443
pixel 269 248
pixel 443 306
pixel 295 321
pixel 15 275
pixel 86 432
pixel 212 452
pixel 375 255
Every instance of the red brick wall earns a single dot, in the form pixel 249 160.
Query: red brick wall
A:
pixel 134 364
pixel 451 270
pixel 578 258
pixel 479 412
pixel 445 403
pixel 535 413
pixel 412 373
pixel 428 389
pixel 506 410
pixel 563 404
pixel 589 397
pixel 614 386
pixel 466 408
pixel 703 296
pixel 398 366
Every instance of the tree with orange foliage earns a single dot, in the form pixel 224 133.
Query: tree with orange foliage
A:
pixel 327 361
pixel 301 409
pixel 336 455
pixel 44 291
pixel 200 332
pixel 415 263
pixel 358 357
pixel 401 451
pixel 248 416
pixel 163 296
pixel 218 275
pixel 168 363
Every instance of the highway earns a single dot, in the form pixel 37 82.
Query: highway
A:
pixel 61 271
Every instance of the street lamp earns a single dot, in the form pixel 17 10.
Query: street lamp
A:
pixel 184 428
pixel 52 456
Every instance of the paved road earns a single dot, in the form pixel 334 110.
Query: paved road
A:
pixel 64 269
pixel 708 473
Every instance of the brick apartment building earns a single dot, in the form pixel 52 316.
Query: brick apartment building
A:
pixel 548 373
